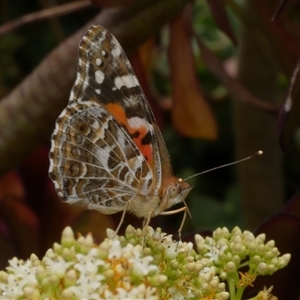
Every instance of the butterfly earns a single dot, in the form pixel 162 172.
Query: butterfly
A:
pixel 107 151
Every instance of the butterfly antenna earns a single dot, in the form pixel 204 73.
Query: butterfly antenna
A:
pixel 258 153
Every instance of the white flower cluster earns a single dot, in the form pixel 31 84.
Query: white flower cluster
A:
pixel 233 250
pixel 140 265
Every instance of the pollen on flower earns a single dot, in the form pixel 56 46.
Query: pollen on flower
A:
pixel 266 294
pixel 246 279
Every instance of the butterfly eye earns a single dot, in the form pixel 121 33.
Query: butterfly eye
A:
pixel 172 191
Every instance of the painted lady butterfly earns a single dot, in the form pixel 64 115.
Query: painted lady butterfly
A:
pixel 107 151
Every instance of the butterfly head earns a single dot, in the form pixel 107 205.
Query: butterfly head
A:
pixel 176 192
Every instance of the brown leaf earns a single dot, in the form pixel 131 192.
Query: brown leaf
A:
pixel 145 54
pixel 191 114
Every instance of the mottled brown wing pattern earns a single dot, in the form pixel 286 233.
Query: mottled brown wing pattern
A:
pixel 105 75
pixel 107 151
pixel 100 162
pixel 93 159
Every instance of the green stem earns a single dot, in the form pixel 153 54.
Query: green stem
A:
pixel 231 285
pixel 239 293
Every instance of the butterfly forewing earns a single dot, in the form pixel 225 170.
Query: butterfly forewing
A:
pixel 106 76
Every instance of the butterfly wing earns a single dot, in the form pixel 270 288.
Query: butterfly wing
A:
pixel 93 159
pixel 106 147
pixel 106 76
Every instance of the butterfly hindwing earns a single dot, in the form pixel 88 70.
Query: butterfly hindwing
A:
pixel 96 160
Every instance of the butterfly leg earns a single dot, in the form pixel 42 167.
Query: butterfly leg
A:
pixel 182 223
pixel 186 211
pixel 146 224
pixel 176 211
pixel 147 220
pixel 122 219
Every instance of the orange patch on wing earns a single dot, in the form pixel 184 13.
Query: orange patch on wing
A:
pixel 118 112
pixel 146 149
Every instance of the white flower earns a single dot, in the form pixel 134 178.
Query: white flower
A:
pixel 115 250
pixel 142 292
pixel 170 247
pixel 141 265
pixel 13 288
pixel 206 276
pixel 89 279
pixel 88 263
pixel 175 294
pixel 124 269
pixel 23 270
pixel 84 292
pixel 214 250
pixel 57 265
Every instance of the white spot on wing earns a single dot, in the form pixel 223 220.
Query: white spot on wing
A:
pixel 59 192
pixel 72 95
pixel 129 81
pixel 98 61
pixel 78 78
pixel 99 76
pixel 136 122
pixel 56 130
pixel 116 51
pixel 51 166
